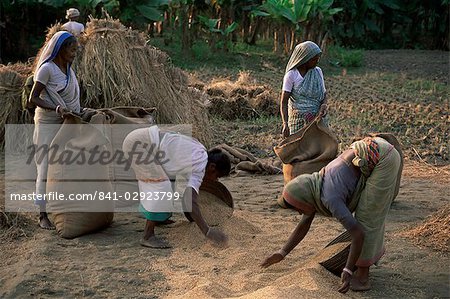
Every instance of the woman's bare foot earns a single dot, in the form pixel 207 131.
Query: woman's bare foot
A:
pixel 44 222
pixel 154 242
pixel 358 285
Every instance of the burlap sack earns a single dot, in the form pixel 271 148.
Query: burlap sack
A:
pixel 306 151
pixel 111 178
pixel 74 218
pixel 123 181
pixel 244 163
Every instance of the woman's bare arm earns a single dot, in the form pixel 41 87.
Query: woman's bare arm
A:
pixel 284 112
pixel 38 87
pixel 296 237
pixel 357 233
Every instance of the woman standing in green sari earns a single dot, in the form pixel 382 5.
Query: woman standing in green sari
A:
pixel 363 180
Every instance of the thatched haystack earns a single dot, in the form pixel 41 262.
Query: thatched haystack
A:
pixel 434 232
pixel 117 67
pixel 12 79
pixel 50 32
pixel 242 99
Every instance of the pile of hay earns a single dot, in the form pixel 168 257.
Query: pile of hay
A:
pixel 12 79
pixel 434 232
pixel 14 226
pixel 117 67
pixel 242 99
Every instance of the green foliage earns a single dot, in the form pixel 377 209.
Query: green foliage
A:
pixel 229 29
pixel 151 11
pixel 209 24
pixel 339 56
pixel 392 23
pixel 296 12
pixel 201 50
pixel 140 12
pixel 241 56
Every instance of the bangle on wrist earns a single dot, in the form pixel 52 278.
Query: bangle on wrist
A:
pixel 57 109
pixel 348 271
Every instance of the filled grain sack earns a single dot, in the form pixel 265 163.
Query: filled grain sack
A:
pixel 306 151
pixel 123 120
pixel 243 162
pixel 83 185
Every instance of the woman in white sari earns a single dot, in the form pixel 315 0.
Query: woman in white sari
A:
pixel 55 91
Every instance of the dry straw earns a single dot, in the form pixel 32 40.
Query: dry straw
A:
pixel 116 67
pixel 14 226
pixel 434 232
pixel 241 99
pixel 12 79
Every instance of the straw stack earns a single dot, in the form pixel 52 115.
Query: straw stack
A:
pixel 117 67
pixel 12 78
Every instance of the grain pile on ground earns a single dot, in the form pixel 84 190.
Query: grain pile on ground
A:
pixel 12 79
pixel 434 232
pixel 242 99
pixel 233 272
pixel 116 67
pixel 213 209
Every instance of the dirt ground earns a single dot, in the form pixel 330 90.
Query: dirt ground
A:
pixel 432 65
pixel 112 264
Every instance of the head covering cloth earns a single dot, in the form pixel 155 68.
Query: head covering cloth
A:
pixel 69 96
pixel 302 53
pixel 72 13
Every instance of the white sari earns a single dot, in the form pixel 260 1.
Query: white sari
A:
pixel 47 121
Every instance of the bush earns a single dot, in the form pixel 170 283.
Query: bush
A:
pixel 344 57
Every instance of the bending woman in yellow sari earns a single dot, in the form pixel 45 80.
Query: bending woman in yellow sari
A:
pixel 363 180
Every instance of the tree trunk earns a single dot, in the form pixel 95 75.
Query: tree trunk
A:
pixel 184 22
pixel 275 41
pixel 245 23
pixel 151 29
pixel 293 43
pixel 256 29
pixel 287 41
